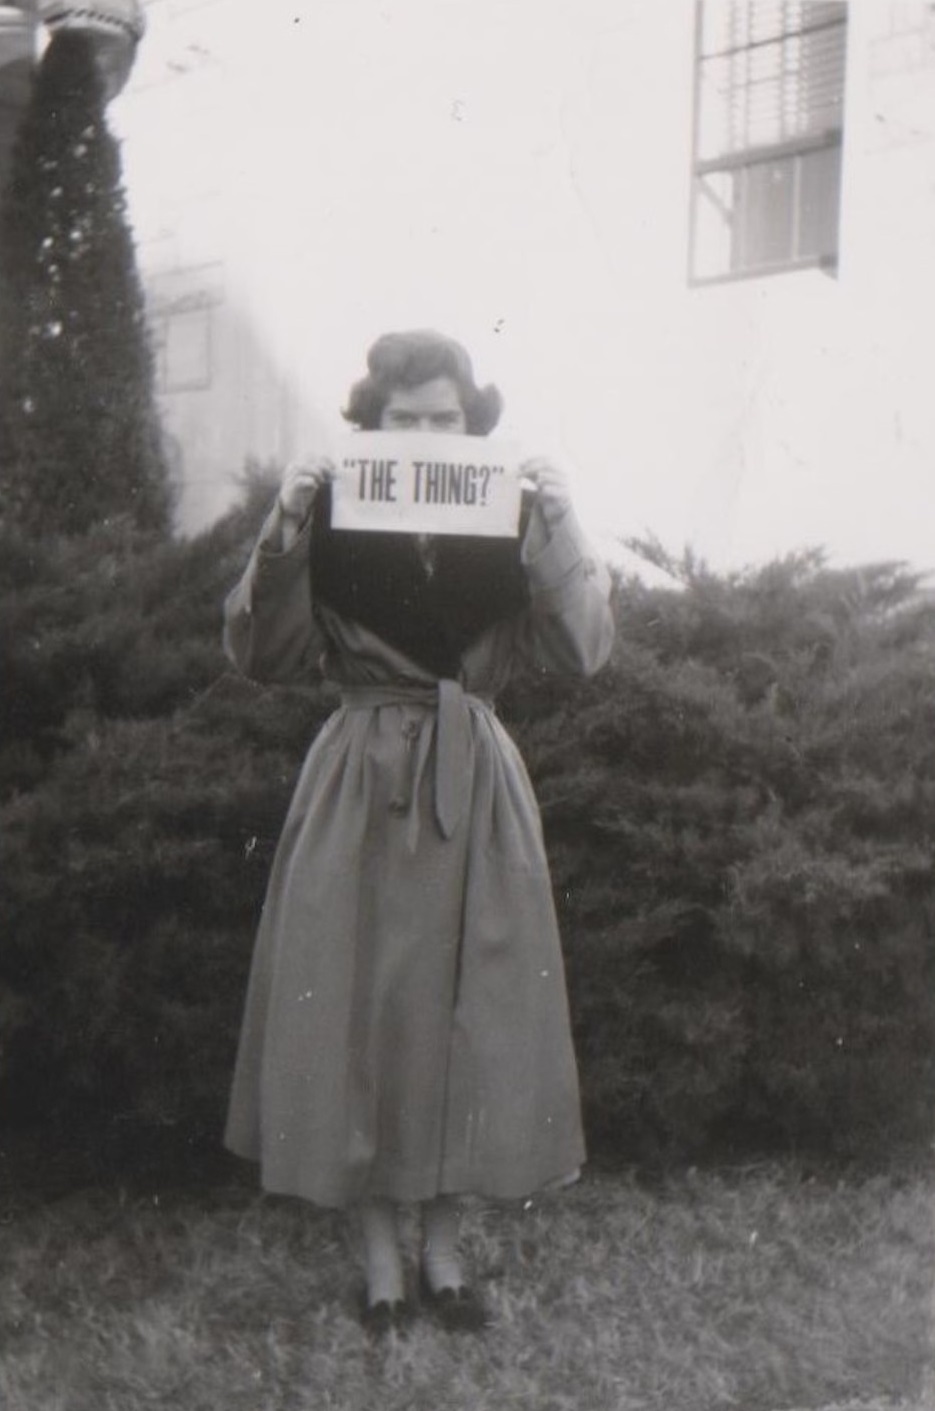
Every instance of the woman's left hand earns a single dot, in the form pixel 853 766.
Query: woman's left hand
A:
pixel 552 493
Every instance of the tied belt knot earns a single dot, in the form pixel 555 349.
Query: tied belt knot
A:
pixel 452 707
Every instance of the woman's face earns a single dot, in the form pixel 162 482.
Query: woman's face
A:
pixel 432 406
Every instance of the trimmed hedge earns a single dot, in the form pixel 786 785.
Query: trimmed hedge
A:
pixel 739 812
pixel 743 853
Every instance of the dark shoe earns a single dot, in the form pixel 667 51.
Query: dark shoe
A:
pixel 458 1310
pixel 386 1316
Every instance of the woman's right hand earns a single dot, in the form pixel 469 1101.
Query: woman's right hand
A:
pixel 300 484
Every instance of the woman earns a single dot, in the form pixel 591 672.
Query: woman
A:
pixel 406 1034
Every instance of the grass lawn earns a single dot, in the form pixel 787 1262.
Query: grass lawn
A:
pixel 756 1289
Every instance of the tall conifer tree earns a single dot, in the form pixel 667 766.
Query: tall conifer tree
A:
pixel 82 437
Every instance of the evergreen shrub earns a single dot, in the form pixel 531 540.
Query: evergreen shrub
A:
pixel 739 812
pixel 80 438
pixel 143 788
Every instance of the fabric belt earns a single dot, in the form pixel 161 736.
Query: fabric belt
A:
pixel 454 742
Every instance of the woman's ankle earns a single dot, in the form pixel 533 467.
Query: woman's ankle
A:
pixel 383 1261
pixel 442 1267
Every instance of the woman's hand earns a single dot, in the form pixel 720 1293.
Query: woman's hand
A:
pixel 552 493
pixel 300 484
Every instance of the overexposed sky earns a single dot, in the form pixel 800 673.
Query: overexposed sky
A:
pixel 516 172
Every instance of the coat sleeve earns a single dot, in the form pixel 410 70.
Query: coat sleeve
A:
pixel 569 626
pixel 270 633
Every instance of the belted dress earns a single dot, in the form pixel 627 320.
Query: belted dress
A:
pixel 406 1028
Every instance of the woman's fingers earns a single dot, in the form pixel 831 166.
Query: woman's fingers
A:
pixel 551 486
pixel 300 484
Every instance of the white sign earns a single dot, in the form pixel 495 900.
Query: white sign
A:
pixel 427 483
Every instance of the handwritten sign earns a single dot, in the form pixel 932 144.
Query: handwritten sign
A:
pixel 425 483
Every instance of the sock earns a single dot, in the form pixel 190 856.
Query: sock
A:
pixel 383 1260
pixel 441 1262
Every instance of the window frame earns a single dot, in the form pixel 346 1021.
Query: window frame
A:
pixel 791 150
pixel 168 381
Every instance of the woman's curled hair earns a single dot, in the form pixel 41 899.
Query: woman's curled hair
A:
pixel 409 359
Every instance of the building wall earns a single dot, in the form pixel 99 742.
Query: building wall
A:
pixel 844 411
pixel 807 395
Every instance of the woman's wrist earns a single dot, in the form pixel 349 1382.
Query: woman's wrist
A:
pixel 288 524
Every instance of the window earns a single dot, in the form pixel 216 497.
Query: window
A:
pixel 183 350
pixel 769 103
pixel 181 311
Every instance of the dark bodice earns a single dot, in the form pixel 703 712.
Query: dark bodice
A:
pixel 429 605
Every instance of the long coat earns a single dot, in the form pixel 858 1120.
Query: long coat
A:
pixel 406 1026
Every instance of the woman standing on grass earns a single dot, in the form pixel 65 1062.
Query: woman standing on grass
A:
pixel 406 1034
